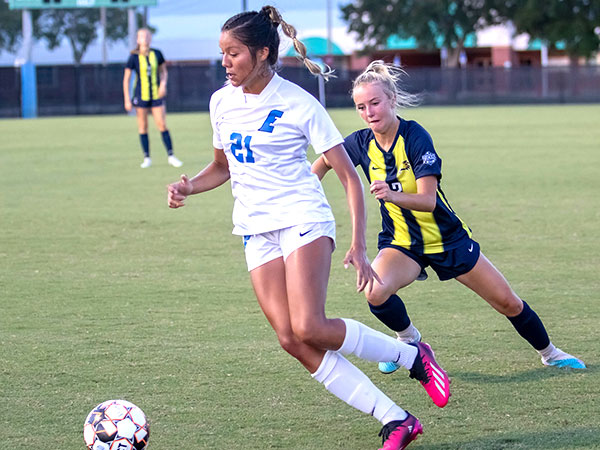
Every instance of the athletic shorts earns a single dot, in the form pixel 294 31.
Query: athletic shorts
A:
pixel 265 247
pixel 138 103
pixel 449 264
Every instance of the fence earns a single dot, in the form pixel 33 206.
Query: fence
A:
pixel 97 89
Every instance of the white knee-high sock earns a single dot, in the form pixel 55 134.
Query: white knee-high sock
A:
pixel 373 345
pixel 348 383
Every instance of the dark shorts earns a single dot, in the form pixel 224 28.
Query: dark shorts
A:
pixel 138 103
pixel 449 264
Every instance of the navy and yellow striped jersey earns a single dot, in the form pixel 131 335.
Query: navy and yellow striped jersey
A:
pixel 412 156
pixel 146 69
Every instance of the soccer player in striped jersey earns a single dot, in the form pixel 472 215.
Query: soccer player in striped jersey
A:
pixel 149 93
pixel 420 228
pixel 262 126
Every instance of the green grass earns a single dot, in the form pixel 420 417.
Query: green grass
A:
pixel 106 293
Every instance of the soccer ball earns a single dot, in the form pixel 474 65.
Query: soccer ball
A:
pixel 116 425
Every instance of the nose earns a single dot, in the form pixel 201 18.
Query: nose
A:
pixel 225 61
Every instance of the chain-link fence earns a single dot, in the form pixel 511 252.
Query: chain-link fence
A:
pixel 97 89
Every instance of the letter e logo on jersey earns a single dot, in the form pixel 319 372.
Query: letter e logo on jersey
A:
pixel 267 125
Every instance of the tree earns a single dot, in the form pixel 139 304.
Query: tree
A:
pixel 80 27
pixel 433 23
pixel 573 23
pixel 10 28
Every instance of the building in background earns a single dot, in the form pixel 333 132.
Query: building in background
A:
pixel 189 30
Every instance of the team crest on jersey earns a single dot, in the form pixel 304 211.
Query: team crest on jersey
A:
pixel 268 124
pixel 405 165
pixel 429 158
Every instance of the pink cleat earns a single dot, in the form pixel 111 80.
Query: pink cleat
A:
pixel 430 374
pixel 396 435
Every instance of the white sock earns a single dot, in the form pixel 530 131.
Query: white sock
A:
pixel 375 346
pixel 553 353
pixel 348 383
pixel 546 353
pixel 411 334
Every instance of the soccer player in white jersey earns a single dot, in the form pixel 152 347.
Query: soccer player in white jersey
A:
pixel 262 126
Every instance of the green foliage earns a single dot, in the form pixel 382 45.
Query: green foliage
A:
pixel 80 27
pixel 107 293
pixel 10 28
pixel 573 23
pixel 432 23
pixel 446 23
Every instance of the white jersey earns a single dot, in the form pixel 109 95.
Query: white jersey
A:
pixel 265 138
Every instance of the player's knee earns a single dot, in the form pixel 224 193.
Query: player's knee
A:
pixel 508 303
pixel 289 343
pixel 308 331
pixel 378 295
pixel 304 332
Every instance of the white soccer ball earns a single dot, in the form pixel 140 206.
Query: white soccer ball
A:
pixel 116 425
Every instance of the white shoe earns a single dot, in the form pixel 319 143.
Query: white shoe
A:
pixel 558 358
pixel 172 160
pixel 147 162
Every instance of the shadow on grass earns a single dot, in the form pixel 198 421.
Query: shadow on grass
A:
pixel 542 373
pixel 567 438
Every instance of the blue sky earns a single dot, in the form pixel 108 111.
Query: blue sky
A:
pixel 185 19
pixel 230 7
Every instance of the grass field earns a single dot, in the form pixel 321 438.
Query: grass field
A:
pixel 106 293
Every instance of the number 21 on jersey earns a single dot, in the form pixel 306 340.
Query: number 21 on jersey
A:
pixel 237 150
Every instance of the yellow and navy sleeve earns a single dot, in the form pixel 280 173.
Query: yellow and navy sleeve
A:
pixel 355 145
pixel 420 150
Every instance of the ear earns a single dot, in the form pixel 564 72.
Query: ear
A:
pixel 263 54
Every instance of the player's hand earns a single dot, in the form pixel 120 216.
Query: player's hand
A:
pixel 381 190
pixel 128 105
pixel 162 91
pixel 178 192
pixel 365 275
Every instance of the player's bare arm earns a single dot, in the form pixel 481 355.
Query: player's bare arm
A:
pixel 164 75
pixel 423 200
pixel 126 99
pixel 320 167
pixel 212 176
pixel 357 254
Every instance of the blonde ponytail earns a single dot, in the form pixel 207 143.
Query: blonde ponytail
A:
pixel 388 75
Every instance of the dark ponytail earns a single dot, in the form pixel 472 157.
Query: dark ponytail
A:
pixel 257 30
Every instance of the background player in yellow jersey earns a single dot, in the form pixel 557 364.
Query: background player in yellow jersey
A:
pixel 148 94
pixel 420 228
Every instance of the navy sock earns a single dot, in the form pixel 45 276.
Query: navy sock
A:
pixel 166 137
pixel 392 313
pixel 145 144
pixel 531 328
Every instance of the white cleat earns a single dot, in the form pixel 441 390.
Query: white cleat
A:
pixel 172 160
pixel 558 358
pixel 147 162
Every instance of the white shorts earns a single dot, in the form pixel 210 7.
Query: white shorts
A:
pixel 265 247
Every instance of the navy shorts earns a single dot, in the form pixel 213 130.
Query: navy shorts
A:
pixel 449 264
pixel 138 103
